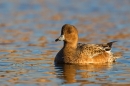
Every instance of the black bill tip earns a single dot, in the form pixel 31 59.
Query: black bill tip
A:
pixel 56 40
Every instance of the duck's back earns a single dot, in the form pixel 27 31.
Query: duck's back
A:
pixel 94 53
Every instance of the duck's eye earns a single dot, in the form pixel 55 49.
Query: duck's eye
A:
pixel 69 31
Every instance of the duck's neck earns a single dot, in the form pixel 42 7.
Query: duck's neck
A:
pixel 69 49
pixel 70 45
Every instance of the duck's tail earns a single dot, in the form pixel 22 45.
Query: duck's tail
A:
pixel 110 43
pixel 108 46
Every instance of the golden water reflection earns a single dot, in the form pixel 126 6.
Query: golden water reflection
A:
pixel 80 73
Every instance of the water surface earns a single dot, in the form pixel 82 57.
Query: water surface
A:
pixel 28 29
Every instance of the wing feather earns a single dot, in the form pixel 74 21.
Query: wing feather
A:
pixel 92 50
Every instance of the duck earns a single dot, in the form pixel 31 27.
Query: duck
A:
pixel 73 52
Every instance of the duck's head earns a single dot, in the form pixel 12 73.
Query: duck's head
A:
pixel 69 34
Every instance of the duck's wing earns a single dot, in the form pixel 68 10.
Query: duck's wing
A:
pixel 92 50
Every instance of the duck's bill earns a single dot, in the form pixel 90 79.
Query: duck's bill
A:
pixel 61 38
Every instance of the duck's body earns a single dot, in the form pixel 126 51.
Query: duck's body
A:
pixel 78 53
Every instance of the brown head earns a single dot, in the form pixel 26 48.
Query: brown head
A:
pixel 69 34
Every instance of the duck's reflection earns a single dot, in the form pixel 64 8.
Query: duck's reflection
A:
pixel 79 73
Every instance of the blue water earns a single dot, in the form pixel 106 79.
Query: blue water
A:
pixel 28 29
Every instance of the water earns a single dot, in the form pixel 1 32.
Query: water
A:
pixel 28 29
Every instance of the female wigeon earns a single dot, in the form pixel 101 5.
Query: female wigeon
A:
pixel 78 53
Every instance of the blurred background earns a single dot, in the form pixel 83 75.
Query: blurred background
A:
pixel 28 29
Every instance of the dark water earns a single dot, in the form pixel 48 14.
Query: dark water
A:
pixel 28 29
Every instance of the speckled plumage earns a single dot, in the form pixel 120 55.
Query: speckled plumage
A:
pixel 78 53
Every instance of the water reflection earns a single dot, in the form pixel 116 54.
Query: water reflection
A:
pixel 80 73
pixel 27 48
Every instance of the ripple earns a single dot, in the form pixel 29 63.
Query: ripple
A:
pixel 27 48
